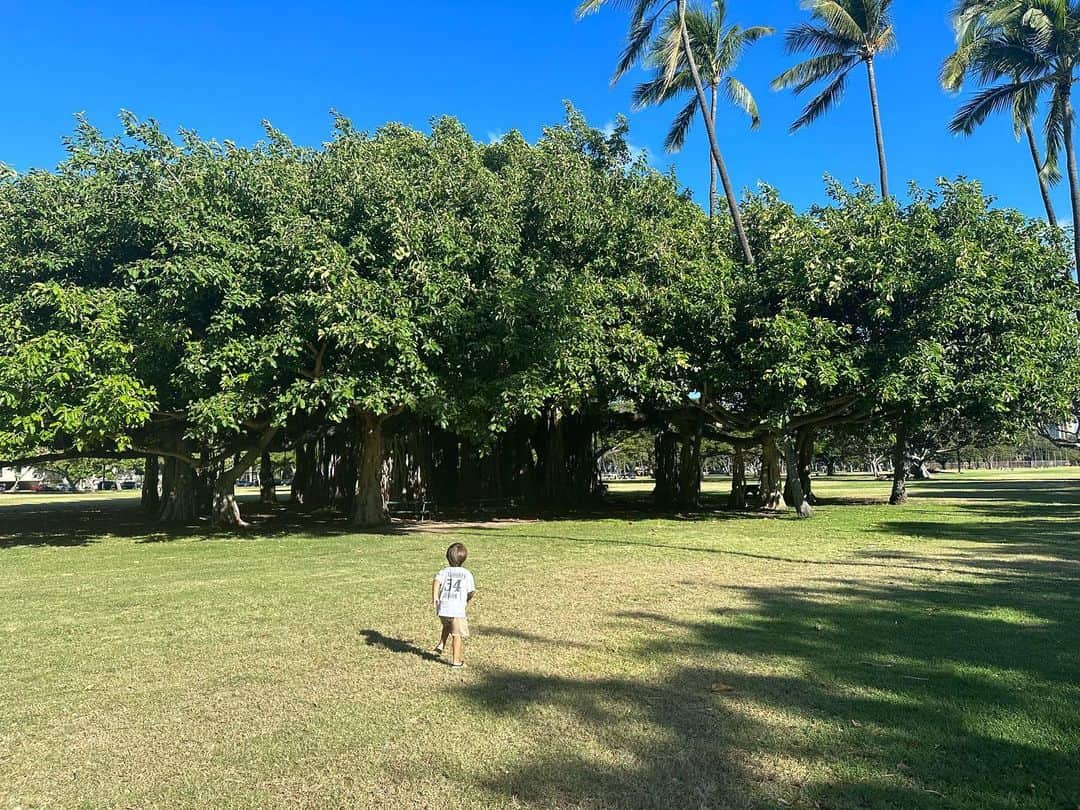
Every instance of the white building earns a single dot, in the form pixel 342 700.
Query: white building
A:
pixel 1069 432
pixel 19 477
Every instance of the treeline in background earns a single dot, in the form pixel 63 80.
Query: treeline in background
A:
pixel 421 316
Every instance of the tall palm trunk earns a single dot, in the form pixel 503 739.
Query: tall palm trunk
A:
pixel 703 103
pixel 877 128
pixel 712 163
pixel 1074 181
pixel 1043 189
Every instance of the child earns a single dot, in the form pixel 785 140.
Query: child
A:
pixel 451 591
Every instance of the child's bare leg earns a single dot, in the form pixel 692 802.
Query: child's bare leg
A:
pixel 445 635
pixel 456 641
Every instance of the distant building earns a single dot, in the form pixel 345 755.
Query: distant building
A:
pixel 20 477
pixel 1069 432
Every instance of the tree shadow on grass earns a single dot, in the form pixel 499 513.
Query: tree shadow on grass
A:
pixel 954 687
pixel 532 638
pixel 74 523
pixel 835 694
pixel 1031 490
pixel 71 523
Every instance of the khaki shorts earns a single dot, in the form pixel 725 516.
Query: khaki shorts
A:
pixel 457 625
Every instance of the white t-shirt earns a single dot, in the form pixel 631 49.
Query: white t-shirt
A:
pixel 457 583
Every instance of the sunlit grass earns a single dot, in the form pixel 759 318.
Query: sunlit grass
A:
pixel 923 656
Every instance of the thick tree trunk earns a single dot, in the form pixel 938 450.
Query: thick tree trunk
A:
pixel 267 492
pixel 806 438
pixel 515 462
pixel 224 509
pixel 772 490
pixel 689 477
pixel 371 507
pixel 899 459
pixel 168 479
pixel 714 144
pixel 301 473
pixel 919 469
pixel 470 485
pixel 445 467
pixel 151 501
pixel 582 462
pixel 738 479
pixel 554 489
pixel 878 134
pixel 1036 158
pixel 666 474
pixel 180 504
pixel 794 484
pixel 206 481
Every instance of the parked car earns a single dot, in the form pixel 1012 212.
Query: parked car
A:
pixel 129 485
pixel 103 485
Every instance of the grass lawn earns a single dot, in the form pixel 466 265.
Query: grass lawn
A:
pixel 922 656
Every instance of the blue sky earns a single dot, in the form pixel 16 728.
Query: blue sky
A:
pixel 220 68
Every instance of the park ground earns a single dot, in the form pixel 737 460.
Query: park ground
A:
pixel 921 656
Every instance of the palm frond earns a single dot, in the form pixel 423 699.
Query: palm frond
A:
pixel 739 95
pixel 719 10
pixel 816 39
pixel 1038 27
pixel 972 36
pixel 657 90
pixel 875 15
pixel 837 15
pixel 999 58
pixel 587 7
pixel 1004 13
pixel 636 43
pixel 979 107
pixel 676 136
pixel 810 71
pixel 954 69
pixel 824 101
pixel 734 41
pixel 1055 131
pixel 1050 170
pixel 1024 105
pixel 885 40
pixel 639 9
pixel 755 32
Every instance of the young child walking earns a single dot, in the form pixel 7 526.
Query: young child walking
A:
pixel 451 591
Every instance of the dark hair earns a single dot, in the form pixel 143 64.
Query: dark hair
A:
pixel 456 554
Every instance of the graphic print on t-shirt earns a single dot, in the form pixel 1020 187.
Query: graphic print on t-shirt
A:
pixel 456 584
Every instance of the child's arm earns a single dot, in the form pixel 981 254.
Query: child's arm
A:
pixel 435 586
pixel 469 598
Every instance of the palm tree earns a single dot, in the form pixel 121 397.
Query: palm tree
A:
pixel 844 34
pixel 717 48
pixel 1031 47
pixel 974 55
pixel 644 15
